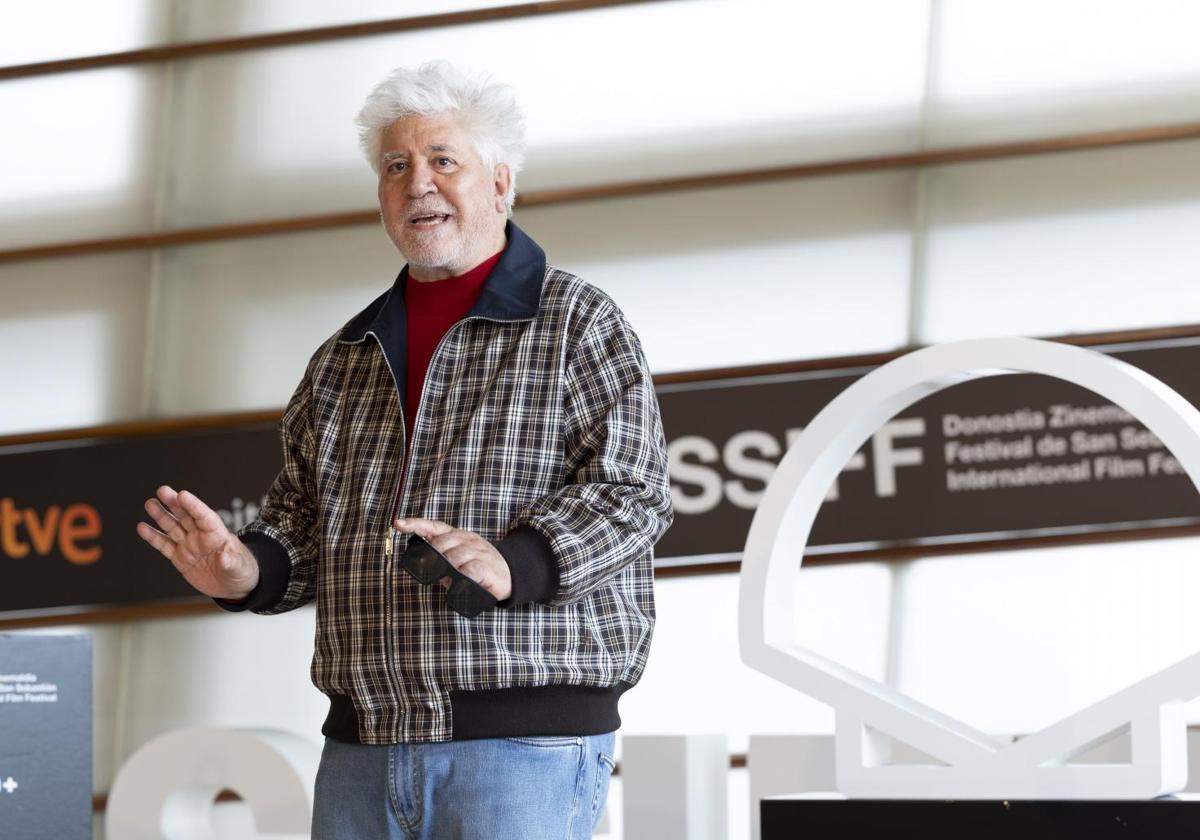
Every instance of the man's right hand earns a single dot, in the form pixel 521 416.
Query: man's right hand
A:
pixel 195 539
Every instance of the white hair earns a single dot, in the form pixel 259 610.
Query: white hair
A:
pixel 488 109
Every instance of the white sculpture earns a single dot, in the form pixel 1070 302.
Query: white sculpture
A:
pixel 165 791
pixel 674 787
pixel 973 764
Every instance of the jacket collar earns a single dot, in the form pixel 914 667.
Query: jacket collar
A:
pixel 512 292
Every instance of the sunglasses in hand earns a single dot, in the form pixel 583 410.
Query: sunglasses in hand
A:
pixel 428 565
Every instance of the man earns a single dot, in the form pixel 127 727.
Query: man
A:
pixel 500 409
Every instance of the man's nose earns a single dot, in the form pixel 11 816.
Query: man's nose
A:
pixel 420 181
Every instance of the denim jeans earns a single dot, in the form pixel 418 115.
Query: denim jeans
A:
pixel 530 788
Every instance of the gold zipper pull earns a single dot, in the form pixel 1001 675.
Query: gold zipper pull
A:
pixel 387 545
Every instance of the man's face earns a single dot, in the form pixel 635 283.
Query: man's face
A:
pixel 442 207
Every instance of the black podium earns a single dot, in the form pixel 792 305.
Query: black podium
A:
pixel 817 817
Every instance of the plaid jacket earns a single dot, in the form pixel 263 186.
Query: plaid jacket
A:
pixel 538 429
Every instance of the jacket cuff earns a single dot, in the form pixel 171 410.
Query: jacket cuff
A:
pixel 532 566
pixel 274 572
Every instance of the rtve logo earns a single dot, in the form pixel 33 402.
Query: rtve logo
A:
pixel 25 529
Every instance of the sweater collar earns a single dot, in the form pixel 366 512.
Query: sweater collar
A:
pixel 513 292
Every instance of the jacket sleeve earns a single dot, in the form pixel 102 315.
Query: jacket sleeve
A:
pixel 617 502
pixel 284 538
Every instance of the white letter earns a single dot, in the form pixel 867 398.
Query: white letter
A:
pixel 739 464
pixel 887 458
pixel 167 788
pixel 675 786
pixel 709 480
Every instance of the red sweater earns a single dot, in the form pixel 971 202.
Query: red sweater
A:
pixel 433 308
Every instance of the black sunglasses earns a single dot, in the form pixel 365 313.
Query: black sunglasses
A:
pixel 428 565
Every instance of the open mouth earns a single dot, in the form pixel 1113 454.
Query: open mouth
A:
pixel 428 219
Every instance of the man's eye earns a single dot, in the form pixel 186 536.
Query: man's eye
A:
pixel 443 161
pixel 396 166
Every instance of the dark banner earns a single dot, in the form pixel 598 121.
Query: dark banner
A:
pixel 68 511
pixel 1006 457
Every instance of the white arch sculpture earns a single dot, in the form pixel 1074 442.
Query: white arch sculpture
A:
pixel 974 765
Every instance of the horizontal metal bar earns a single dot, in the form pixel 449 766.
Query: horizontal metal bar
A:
pixel 200 49
pixel 541 198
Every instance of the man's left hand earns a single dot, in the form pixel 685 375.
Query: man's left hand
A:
pixel 468 552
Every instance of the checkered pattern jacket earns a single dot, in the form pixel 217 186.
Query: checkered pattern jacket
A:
pixel 539 430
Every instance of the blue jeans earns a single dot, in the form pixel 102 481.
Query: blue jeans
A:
pixel 550 787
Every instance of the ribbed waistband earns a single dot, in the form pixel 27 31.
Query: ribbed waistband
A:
pixel 507 712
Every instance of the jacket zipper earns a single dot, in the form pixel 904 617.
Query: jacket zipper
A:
pixel 407 473
pixel 388 545
pixel 389 542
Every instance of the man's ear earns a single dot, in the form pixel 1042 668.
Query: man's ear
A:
pixel 502 183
